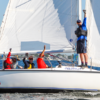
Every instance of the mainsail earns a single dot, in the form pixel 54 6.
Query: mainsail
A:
pixel 93 25
pixel 30 24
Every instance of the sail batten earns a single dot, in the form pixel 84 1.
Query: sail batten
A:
pixel 30 24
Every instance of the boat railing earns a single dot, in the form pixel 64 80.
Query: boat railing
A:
pixel 72 63
pixel 49 62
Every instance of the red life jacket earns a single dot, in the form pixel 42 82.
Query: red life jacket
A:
pixel 7 62
pixel 41 63
pixel 7 66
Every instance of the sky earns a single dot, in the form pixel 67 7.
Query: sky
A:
pixel 3 5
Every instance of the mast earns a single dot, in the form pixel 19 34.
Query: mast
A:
pixel 80 17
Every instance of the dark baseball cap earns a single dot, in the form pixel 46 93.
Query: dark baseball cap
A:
pixel 78 21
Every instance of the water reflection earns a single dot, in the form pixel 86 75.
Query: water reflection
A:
pixel 52 96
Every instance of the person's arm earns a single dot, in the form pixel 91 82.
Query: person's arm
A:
pixel 84 13
pixel 33 65
pixel 84 21
pixel 9 54
pixel 16 64
pixel 43 51
pixel 46 66
pixel 19 66
pixel 24 59
pixel 25 62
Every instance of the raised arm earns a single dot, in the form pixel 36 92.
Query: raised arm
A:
pixel 9 54
pixel 84 21
pixel 43 51
pixel 26 55
pixel 84 13
pixel 24 60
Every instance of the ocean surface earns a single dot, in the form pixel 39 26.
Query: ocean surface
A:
pixel 66 95
pixel 52 96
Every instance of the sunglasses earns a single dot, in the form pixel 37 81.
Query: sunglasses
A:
pixel 30 58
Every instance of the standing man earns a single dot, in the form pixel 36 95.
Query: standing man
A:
pixel 81 33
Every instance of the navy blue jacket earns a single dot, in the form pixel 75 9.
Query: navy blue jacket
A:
pixel 27 64
pixel 83 28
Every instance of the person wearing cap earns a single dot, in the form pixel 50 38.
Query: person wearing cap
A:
pixel 29 64
pixel 15 60
pixel 81 33
pixel 40 62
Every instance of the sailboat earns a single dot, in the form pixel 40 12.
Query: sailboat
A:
pixel 28 25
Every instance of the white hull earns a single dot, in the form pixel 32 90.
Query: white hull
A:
pixel 60 79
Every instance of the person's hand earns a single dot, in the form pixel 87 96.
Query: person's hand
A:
pixel 10 49
pixel 49 67
pixel 84 11
pixel 26 54
pixel 16 56
pixel 44 47
pixel 21 67
pixel 46 66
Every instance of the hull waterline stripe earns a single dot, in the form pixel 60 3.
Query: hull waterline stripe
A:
pixel 66 71
pixel 48 88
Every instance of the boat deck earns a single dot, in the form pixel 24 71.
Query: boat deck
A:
pixel 63 68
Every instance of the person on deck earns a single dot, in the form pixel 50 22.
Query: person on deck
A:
pixel 40 62
pixel 81 33
pixel 15 60
pixel 29 64
pixel 11 62
pixel 8 62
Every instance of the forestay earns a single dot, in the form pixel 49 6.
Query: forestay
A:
pixel 93 24
pixel 29 24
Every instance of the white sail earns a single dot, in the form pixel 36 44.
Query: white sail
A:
pixel 93 25
pixel 29 24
